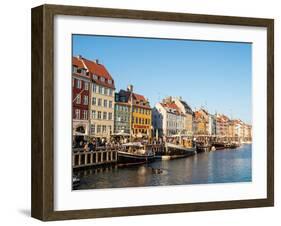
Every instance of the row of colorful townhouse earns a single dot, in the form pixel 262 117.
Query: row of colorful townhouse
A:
pixel 174 116
pixel 100 111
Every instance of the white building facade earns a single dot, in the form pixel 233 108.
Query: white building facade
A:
pixel 168 119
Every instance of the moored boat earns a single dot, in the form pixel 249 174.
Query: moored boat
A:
pixel 174 151
pixel 234 145
pixel 134 153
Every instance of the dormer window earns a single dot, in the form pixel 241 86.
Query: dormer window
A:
pixel 102 79
pixel 109 81
pixel 95 77
pixel 83 72
pixel 74 69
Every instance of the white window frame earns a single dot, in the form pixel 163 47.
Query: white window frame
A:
pixel 94 114
pixel 109 115
pixel 94 101
pixel 99 102
pixel 78 99
pixel 78 84
pixel 95 88
pixel 104 115
pixel 86 100
pixel 77 113
pixel 86 85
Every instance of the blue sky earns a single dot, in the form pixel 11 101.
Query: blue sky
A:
pixel 215 75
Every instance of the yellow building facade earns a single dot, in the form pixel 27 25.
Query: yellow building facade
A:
pixel 141 121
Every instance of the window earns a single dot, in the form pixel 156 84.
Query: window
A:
pixel 109 116
pixel 110 104
pixel 109 81
pixel 74 69
pixel 85 100
pixel 77 113
pixel 100 89
pixel 73 82
pixel 94 114
pixel 99 101
pixel 78 99
pixel 98 128
pixel 85 114
pixel 86 84
pixel 137 120
pixel 94 101
pixel 110 129
pixel 110 92
pixel 95 77
pixel 106 91
pixel 105 103
pixel 78 84
pixel 93 129
pixel 99 114
pixel 103 128
pixel 94 88
pixel 102 79
pixel 83 72
pixel 104 115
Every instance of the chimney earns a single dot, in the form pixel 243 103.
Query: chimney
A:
pixel 130 88
pixel 79 57
pixel 97 61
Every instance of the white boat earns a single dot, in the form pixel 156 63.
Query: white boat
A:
pixel 135 152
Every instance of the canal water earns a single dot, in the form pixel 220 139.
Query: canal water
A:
pixel 222 166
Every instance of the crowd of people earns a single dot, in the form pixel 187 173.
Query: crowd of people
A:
pixel 94 144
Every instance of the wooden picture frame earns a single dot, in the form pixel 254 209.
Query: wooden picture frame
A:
pixel 42 203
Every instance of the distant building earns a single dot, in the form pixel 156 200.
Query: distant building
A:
pixel 222 125
pixel 212 125
pixel 237 129
pixel 188 113
pixel 247 133
pixel 80 100
pixel 168 119
pixel 122 114
pixel 141 115
pixel 101 103
pixel 201 123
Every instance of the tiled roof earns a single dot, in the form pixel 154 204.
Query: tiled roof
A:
pixel 78 63
pixel 186 107
pixel 95 69
pixel 137 97
pixel 173 106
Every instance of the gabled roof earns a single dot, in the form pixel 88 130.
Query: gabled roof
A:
pixel 136 97
pixel 186 107
pixel 94 69
pixel 171 106
pixel 97 69
pixel 78 63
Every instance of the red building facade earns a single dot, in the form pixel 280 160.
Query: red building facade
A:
pixel 80 99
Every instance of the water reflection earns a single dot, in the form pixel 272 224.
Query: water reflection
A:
pixel 230 165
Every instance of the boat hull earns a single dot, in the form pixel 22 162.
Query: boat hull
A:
pixel 174 156
pixel 130 158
